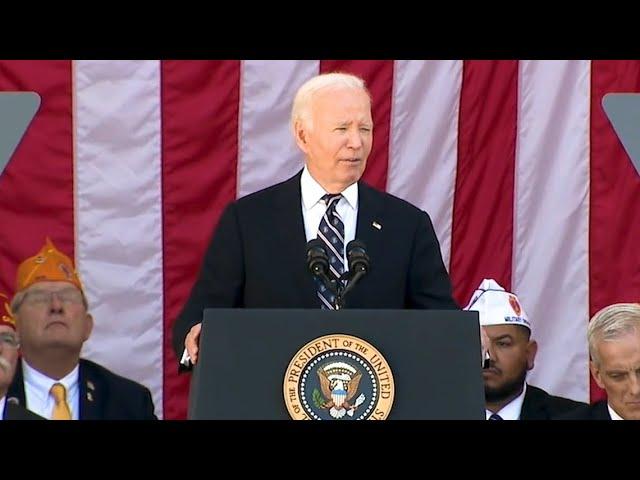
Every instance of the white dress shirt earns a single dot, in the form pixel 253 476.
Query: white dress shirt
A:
pixel 37 387
pixel 511 411
pixel 3 400
pixel 313 209
pixel 613 414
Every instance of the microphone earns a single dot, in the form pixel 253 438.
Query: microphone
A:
pixel 359 264
pixel 318 263
pixel 357 257
pixel 486 360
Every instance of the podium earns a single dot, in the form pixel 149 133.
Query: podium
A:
pixel 279 364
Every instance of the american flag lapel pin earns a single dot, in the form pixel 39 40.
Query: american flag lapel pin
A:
pixel 377 225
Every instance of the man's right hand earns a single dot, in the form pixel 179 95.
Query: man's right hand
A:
pixel 192 341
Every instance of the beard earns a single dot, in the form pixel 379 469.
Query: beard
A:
pixel 505 391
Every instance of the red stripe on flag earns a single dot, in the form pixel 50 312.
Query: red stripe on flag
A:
pixel 614 223
pixel 378 76
pixel 37 186
pixel 200 101
pixel 482 229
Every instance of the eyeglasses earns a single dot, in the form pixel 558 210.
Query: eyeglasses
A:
pixel 9 340
pixel 42 297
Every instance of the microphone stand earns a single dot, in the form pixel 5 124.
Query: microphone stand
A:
pixel 345 284
pixel 318 264
pixel 359 265
pixel 339 303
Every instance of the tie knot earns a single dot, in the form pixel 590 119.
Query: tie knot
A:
pixel 59 393
pixel 331 198
pixel 495 416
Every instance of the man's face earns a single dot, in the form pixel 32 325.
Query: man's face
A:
pixel 338 141
pixel 512 355
pixel 8 357
pixel 53 315
pixel 618 372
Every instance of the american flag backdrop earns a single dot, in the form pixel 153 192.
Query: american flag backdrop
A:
pixel 128 165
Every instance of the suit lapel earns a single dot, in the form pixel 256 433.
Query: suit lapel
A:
pixel 9 411
pixel 289 225
pixel 91 397
pixel 18 412
pixel 601 411
pixel 533 406
pixel 13 412
pixel 16 389
pixel 369 230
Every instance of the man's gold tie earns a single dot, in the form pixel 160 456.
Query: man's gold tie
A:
pixel 61 408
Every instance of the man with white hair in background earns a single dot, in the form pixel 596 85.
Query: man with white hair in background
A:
pixel 512 354
pixel 614 346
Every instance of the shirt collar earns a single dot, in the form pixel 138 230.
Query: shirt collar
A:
pixel 41 384
pixel 511 411
pixel 312 191
pixel 613 414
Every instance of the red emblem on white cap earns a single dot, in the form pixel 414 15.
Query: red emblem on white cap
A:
pixel 513 301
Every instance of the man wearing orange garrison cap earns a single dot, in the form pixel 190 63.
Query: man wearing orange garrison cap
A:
pixel 52 320
pixel 9 344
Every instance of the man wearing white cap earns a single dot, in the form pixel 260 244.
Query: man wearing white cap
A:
pixel 512 354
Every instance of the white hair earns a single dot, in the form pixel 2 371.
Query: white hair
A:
pixel 301 110
pixel 610 323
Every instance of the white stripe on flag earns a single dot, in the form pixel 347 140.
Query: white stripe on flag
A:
pixel 551 270
pixel 423 151
pixel 119 215
pixel 267 153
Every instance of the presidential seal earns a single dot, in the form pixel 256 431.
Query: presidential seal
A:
pixel 338 377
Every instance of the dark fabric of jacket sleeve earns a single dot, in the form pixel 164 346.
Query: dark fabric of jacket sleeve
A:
pixel 105 395
pixel 221 278
pixel 597 411
pixel 429 283
pixel 146 405
pixel 540 405
pixel 18 412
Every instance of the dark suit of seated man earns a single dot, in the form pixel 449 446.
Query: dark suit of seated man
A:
pixel 511 355
pixel 614 346
pixel 53 322
pixel 256 258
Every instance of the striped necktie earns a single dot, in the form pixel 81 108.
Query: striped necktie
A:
pixel 331 232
